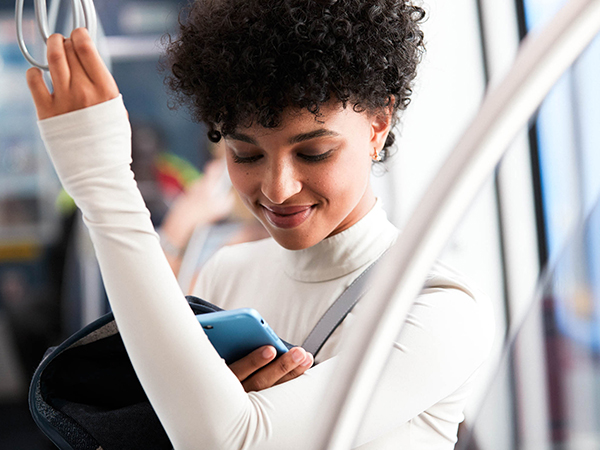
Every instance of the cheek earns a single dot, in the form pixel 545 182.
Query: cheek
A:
pixel 345 182
pixel 242 179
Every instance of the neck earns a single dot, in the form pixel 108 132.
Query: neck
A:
pixel 361 209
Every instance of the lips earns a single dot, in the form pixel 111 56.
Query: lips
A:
pixel 287 216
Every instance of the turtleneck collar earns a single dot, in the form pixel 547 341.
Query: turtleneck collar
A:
pixel 344 252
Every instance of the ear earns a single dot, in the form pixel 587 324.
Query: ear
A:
pixel 381 124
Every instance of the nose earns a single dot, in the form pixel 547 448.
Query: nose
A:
pixel 281 182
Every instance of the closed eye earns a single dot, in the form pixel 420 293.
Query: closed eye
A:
pixel 316 158
pixel 245 159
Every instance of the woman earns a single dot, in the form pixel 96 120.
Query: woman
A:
pixel 305 94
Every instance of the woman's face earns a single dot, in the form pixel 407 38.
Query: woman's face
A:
pixel 308 179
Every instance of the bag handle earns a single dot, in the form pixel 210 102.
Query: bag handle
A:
pixel 338 311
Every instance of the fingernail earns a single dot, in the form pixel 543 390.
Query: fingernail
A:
pixel 298 355
pixel 308 360
pixel 268 352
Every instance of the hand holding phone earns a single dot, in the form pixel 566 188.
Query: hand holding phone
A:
pixel 238 332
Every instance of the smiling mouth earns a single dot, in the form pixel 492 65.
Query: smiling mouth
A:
pixel 287 217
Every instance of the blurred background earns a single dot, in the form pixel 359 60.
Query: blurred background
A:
pixel 531 240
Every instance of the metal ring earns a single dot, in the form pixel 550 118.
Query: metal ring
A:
pixel 21 39
pixel 41 17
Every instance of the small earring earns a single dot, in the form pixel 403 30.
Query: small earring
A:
pixel 214 136
pixel 377 156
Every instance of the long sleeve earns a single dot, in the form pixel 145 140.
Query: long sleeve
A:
pixel 199 401
pixel 91 151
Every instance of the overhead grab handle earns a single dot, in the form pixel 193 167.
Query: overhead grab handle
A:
pixel 84 14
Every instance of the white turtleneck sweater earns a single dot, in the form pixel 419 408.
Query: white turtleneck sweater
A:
pixel 201 404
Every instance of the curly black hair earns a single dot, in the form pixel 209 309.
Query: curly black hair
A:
pixel 239 62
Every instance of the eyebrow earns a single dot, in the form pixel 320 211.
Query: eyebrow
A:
pixel 321 132
pixel 241 137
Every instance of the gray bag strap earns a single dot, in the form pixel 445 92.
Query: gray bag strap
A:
pixel 338 311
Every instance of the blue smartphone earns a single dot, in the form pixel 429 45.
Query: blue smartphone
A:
pixel 238 332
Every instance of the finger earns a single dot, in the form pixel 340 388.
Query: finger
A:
pixel 78 75
pixel 246 366
pixel 39 91
pixel 91 60
pixel 269 375
pixel 303 367
pixel 58 64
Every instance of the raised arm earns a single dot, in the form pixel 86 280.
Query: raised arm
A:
pixel 87 135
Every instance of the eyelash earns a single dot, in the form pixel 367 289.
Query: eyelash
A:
pixel 250 159
pixel 316 158
pixel 308 158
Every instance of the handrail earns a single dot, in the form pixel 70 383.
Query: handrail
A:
pixel 505 111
